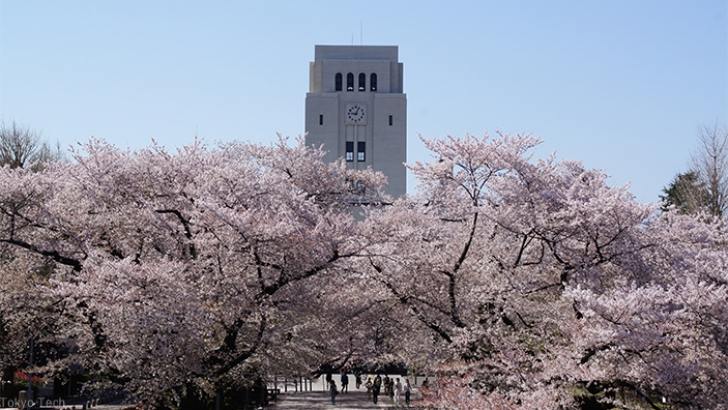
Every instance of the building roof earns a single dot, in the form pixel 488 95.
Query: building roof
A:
pixel 333 52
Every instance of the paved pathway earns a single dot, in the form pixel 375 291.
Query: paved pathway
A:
pixel 344 401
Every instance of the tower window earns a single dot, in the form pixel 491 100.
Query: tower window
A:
pixel 361 151
pixel 373 82
pixel 321 119
pixel 350 82
pixel 391 120
pixel 349 151
pixel 337 82
pixel 362 82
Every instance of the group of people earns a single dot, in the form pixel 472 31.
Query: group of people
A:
pixel 395 389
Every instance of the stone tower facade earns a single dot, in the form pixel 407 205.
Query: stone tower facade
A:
pixel 356 108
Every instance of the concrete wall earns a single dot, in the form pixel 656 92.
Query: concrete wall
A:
pixel 327 134
pixel 389 143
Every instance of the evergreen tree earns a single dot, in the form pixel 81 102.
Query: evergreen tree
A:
pixel 686 193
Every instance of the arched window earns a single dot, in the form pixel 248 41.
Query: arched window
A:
pixel 350 82
pixel 337 82
pixel 362 82
pixel 373 82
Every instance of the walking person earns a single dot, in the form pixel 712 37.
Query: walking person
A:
pixel 369 385
pixel 375 389
pixel 407 391
pixel 344 383
pixel 397 392
pixel 357 377
pixel 391 389
pixel 333 391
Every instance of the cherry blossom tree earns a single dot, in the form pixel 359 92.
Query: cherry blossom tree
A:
pixel 545 285
pixel 180 273
pixel 24 318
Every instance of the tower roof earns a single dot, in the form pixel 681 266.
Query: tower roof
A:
pixel 333 52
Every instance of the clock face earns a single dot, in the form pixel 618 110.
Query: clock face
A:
pixel 356 114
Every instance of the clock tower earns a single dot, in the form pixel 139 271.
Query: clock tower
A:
pixel 357 110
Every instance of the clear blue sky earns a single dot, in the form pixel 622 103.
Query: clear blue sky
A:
pixel 620 85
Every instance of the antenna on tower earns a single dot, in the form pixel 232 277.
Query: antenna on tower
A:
pixel 352 39
pixel 361 33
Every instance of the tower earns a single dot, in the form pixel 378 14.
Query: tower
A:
pixel 357 110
